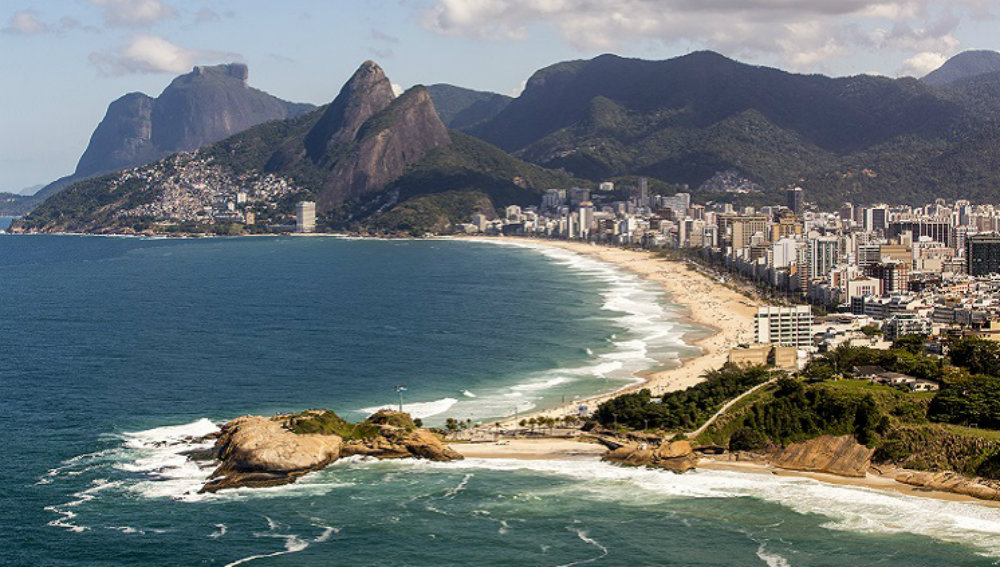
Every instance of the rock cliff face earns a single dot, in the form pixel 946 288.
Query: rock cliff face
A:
pixel 828 454
pixel 364 139
pixel 199 108
pixel 676 456
pixel 255 451
pixel 123 138
pixel 398 136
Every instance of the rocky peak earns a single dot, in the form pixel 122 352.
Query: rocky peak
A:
pixel 365 94
pixel 235 70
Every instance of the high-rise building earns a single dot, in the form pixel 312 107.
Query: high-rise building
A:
pixel 643 195
pixel 586 219
pixel 876 219
pixel 784 326
pixel 982 254
pixel 305 216
pixel 824 254
pixel 894 275
pixel 795 201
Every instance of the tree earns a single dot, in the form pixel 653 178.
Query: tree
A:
pixel 913 343
pixel 970 401
pixel 976 355
pixel 871 330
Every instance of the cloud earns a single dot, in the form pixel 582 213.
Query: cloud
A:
pixel 397 89
pixel 382 53
pixel 804 34
pixel 922 63
pixel 379 35
pixel 206 14
pixel 154 54
pixel 26 22
pixel 134 13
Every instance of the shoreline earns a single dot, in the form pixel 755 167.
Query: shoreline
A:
pixel 724 313
pixel 578 450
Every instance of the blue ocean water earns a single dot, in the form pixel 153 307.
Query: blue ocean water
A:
pixel 115 350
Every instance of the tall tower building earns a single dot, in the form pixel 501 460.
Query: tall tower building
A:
pixel 982 254
pixel 795 200
pixel 305 216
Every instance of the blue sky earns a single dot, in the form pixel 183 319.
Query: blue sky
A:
pixel 65 60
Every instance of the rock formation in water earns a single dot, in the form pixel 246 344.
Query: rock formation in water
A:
pixel 256 451
pixel 676 456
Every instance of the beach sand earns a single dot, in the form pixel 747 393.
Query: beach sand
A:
pixel 727 314
pixel 532 449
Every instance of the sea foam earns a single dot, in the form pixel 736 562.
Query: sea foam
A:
pixel 848 508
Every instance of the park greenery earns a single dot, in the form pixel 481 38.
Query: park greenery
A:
pixel 956 428
pixel 685 409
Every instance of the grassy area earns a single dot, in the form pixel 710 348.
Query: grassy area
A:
pixel 327 422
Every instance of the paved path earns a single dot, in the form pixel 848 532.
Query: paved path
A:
pixel 725 407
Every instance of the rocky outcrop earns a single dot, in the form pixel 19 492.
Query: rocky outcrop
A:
pixel 676 456
pixel 398 443
pixel 255 451
pixel 950 482
pixel 842 456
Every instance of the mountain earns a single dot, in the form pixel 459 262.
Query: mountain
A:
pixel 963 66
pixel 358 143
pixel 685 119
pixel 370 160
pixel 461 108
pixel 199 108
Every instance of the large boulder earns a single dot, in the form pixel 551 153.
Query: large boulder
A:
pixel 256 451
pixel 842 456
pixel 676 456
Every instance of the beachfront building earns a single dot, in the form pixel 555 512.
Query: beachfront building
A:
pixel 305 216
pixel 784 326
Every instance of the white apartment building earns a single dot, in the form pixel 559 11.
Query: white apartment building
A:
pixel 305 216
pixel 784 326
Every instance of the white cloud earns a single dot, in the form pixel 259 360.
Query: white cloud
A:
pixel 134 13
pixel 804 34
pixel 922 63
pixel 397 89
pixel 26 22
pixel 154 54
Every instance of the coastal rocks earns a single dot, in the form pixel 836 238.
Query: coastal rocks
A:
pixel 257 451
pixel 395 443
pixel 950 482
pixel 842 456
pixel 676 456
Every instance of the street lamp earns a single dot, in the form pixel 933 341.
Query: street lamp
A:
pixel 400 388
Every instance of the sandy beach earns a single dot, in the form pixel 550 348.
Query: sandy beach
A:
pixel 708 304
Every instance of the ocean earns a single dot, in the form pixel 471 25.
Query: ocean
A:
pixel 114 350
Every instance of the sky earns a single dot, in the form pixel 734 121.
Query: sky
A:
pixel 65 60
